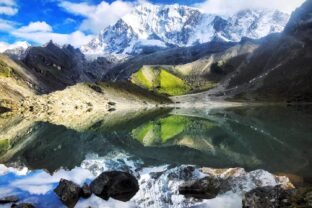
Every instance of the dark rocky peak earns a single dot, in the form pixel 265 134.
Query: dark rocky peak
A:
pixel 120 24
pixel 73 52
pixel 301 18
pixel 71 48
pixel 58 67
pixel 51 45
pixel 245 12
pixel 219 23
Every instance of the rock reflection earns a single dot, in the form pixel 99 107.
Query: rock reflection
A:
pixel 276 139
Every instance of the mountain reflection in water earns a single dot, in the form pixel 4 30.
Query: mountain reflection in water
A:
pixel 274 138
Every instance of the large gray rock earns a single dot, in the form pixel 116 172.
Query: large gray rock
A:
pixel 118 185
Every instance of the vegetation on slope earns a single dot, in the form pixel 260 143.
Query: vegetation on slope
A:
pixel 171 130
pixel 161 81
pixel 160 131
pixel 171 84
pixel 5 70
pixel 171 127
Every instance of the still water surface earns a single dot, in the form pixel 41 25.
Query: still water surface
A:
pixel 274 138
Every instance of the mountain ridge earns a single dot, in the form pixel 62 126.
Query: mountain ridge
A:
pixel 159 27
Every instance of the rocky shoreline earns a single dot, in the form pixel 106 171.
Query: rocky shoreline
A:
pixel 169 186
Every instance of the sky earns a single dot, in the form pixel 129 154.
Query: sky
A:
pixel 77 21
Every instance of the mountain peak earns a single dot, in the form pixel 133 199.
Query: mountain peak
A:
pixel 300 18
pixel 181 26
pixel 18 50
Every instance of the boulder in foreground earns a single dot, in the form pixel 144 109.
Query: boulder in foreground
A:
pixel 118 185
pixel 68 192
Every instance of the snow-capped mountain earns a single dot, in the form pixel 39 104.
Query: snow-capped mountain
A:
pixel 152 27
pixel 17 50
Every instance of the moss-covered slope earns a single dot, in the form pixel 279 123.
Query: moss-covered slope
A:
pixel 167 81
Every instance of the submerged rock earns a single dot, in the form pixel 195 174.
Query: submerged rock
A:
pixel 267 197
pixel 302 197
pixel 23 205
pixel 86 191
pixel 205 188
pixel 9 199
pixel 118 185
pixel 68 192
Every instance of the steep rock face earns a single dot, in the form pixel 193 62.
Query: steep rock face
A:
pixel 56 67
pixel 149 28
pixel 15 83
pixel 280 69
pixel 175 56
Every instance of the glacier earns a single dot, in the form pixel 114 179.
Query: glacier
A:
pixel 164 26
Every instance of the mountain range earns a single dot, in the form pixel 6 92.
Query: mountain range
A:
pixel 264 66
pixel 149 28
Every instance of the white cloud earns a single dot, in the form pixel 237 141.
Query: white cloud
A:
pixel 6 25
pixel 7 10
pixel 97 17
pixel 8 2
pixel 41 32
pixel 35 27
pixel 8 7
pixel 227 7
pixel 82 9
pixel 5 46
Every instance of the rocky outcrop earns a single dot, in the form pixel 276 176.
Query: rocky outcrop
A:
pixel 56 67
pixel 279 70
pixel 15 83
pixel 118 185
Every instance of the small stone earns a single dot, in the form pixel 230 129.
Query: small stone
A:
pixel 112 103
pixel 111 109
pixel 96 88
pixel 86 191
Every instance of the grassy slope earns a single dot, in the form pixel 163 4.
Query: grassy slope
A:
pixel 192 77
pixel 5 70
pixel 161 81
pixel 14 83
pixel 171 84
pixel 160 131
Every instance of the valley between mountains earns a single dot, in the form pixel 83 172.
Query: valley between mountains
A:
pixel 275 68
pixel 172 106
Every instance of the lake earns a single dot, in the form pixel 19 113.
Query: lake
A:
pixel 36 153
